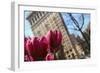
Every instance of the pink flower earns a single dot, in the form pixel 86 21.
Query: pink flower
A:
pixel 50 56
pixel 40 46
pixel 25 41
pixel 29 46
pixel 43 46
pixel 54 39
pixel 35 48
pixel 28 58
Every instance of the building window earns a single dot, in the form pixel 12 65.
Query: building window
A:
pixel 38 15
pixel 67 52
pixel 41 13
pixel 70 50
pixel 73 56
pixel 69 56
pixel 33 20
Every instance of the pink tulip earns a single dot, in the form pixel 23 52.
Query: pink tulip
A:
pixel 50 56
pixel 54 39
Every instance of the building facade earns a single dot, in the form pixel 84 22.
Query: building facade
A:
pixel 42 22
pixel 77 46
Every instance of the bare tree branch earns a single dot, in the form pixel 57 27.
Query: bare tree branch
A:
pixel 82 21
pixel 74 20
pixel 73 29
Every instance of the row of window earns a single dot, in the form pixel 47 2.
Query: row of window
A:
pixel 69 51
pixel 72 56
pixel 37 16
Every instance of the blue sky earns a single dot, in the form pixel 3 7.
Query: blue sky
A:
pixel 69 23
pixel 67 20
pixel 28 31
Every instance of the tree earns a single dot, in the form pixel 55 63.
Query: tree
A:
pixel 79 28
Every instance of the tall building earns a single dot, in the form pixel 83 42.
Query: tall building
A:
pixel 77 45
pixel 42 22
